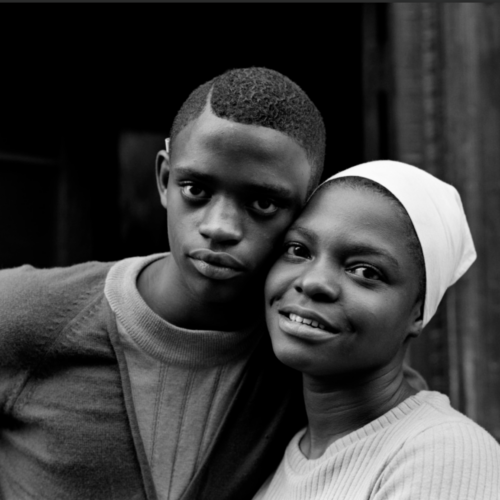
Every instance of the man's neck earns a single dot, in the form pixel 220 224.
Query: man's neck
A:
pixel 337 409
pixel 165 296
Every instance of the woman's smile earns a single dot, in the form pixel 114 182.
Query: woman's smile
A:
pixel 304 328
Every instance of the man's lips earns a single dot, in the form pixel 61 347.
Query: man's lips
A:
pixel 216 265
pixel 220 259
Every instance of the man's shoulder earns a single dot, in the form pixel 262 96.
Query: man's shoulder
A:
pixel 75 270
pixel 31 285
pixel 36 303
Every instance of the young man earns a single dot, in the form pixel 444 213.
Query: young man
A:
pixel 153 377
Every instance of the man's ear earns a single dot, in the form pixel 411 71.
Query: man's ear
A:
pixel 162 174
pixel 415 326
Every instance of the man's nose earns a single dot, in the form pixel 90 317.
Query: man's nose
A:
pixel 222 222
pixel 320 281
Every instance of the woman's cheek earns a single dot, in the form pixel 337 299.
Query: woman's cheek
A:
pixel 279 279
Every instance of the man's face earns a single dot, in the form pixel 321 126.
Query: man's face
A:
pixel 232 191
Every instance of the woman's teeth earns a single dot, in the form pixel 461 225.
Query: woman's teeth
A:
pixel 300 319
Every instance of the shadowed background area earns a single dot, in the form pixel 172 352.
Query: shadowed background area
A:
pixel 91 94
pixel 88 94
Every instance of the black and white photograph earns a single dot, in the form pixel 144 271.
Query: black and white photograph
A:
pixel 249 251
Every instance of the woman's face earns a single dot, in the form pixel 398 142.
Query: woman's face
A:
pixel 342 297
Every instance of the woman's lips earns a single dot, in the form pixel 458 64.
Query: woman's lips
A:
pixel 289 324
pixel 216 265
pixel 307 315
pixel 306 323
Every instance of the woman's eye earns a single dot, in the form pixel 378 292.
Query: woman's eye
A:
pixel 193 191
pixel 366 272
pixel 295 250
pixel 264 206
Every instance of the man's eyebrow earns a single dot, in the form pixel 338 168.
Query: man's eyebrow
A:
pixel 273 190
pixel 192 172
pixel 261 188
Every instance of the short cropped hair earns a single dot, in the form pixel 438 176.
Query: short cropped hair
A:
pixel 261 96
pixel 411 238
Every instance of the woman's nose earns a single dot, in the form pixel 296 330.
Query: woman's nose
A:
pixel 320 281
pixel 222 222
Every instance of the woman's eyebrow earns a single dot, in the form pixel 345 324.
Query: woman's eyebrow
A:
pixel 364 249
pixel 303 231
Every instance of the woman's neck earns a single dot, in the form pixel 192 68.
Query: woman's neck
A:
pixel 335 409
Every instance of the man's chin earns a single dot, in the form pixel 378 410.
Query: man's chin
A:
pixel 227 292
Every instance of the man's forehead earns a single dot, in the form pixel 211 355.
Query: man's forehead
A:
pixel 227 133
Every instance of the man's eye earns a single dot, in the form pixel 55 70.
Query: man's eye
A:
pixel 264 206
pixel 366 272
pixel 296 250
pixel 194 192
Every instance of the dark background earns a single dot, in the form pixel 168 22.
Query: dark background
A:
pixel 88 92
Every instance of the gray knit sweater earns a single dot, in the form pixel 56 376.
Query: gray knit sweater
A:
pixel 68 427
pixel 182 380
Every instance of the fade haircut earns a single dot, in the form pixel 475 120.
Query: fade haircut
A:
pixel 411 238
pixel 261 96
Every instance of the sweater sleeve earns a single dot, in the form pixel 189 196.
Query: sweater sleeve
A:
pixel 18 296
pixel 35 305
pixel 452 461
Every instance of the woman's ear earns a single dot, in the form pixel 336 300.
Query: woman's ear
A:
pixel 415 325
pixel 162 174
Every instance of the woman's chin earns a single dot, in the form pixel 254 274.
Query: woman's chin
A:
pixel 293 356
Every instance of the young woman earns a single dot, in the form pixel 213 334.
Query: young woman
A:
pixel 363 270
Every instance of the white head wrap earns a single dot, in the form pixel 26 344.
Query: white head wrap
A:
pixel 438 217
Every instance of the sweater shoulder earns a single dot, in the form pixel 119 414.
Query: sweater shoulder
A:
pixel 65 274
pixel 442 454
pixel 36 303
pixel 436 419
pixel 452 430
pixel 44 291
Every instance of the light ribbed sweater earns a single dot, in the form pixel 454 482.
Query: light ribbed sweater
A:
pixel 421 450
pixel 182 380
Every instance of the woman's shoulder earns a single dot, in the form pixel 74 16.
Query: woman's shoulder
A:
pixel 433 410
pixel 428 417
pixel 442 453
